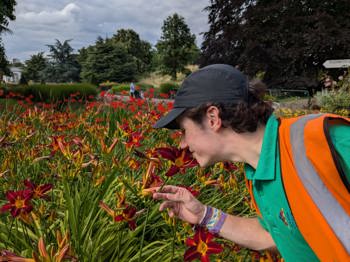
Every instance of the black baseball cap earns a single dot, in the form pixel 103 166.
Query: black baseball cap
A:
pixel 217 83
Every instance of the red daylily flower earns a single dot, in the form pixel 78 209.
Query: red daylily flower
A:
pixel 128 215
pixel 19 202
pixel 39 191
pixel 201 246
pixel 164 95
pixel 181 159
pixel 134 140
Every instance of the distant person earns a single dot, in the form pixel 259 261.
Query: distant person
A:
pixel 297 169
pixel 132 89
pixel 329 83
pixel 137 94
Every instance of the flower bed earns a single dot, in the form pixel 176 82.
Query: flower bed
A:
pixel 75 186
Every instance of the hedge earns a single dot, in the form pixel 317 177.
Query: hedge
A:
pixel 53 92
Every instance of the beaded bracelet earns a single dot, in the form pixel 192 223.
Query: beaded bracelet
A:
pixel 213 219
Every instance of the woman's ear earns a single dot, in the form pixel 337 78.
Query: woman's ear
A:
pixel 214 120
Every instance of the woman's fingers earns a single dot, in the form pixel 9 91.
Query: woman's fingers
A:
pixel 171 206
pixel 165 189
pixel 167 196
pixel 166 204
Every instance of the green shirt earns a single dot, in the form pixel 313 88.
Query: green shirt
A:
pixel 270 196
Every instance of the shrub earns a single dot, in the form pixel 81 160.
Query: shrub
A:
pixel 336 100
pixel 54 93
pixel 144 86
pixel 3 90
pixel 107 85
pixel 167 87
pixel 120 88
pixel 126 87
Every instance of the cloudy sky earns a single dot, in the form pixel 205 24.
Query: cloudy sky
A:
pixel 39 22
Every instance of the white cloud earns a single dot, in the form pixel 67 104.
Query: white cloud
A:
pixel 66 15
pixel 40 22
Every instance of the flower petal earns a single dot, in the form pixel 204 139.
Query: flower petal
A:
pixel 44 188
pixel 191 254
pixel 119 218
pixel 42 248
pixel 190 242
pixel 29 184
pixel 214 248
pixel 130 212
pixel 132 224
pixel 172 171
pixel 11 196
pixel 205 258
pixel 15 212
pixel 167 152
pixel 6 207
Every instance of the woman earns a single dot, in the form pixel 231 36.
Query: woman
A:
pixel 303 209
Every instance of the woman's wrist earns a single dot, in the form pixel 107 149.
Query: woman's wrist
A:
pixel 213 219
pixel 203 215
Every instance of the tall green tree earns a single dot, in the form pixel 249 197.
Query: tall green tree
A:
pixel 288 40
pixel 107 61
pixel 140 50
pixel 63 65
pixel 34 66
pixel 176 45
pixel 4 64
pixel 7 13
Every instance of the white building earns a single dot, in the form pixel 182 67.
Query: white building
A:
pixel 15 77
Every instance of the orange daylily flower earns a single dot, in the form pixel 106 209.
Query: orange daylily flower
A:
pixel 62 254
pixel 109 149
pixel 8 256
pixel 149 178
pixel 39 191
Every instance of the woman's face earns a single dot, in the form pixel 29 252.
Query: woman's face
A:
pixel 200 139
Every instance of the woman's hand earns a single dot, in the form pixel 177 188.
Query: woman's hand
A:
pixel 181 203
pixel 244 231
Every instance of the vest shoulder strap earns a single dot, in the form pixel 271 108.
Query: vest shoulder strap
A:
pixel 317 196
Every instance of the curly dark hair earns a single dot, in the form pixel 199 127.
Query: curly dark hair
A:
pixel 241 117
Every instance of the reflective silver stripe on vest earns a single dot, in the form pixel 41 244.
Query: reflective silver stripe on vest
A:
pixel 332 211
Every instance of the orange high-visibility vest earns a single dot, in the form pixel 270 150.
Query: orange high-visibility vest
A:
pixel 316 187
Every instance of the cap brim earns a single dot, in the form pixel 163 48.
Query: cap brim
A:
pixel 169 120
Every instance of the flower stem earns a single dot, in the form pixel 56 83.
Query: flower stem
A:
pixel 173 244
pixel 143 234
pixel 161 187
